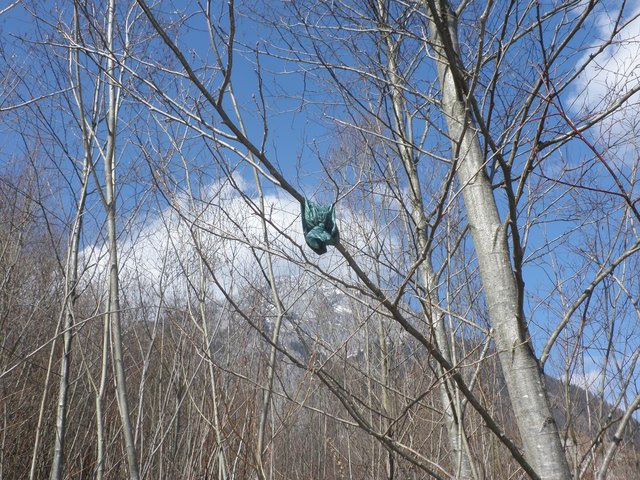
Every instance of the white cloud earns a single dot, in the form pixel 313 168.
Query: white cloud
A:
pixel 162 256
pixel 611 74
pixel 615 71
pixel 590 380
pixel 159 260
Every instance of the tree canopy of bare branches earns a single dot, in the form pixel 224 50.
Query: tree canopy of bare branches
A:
pixel 162 316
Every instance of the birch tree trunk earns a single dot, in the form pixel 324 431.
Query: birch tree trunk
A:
pixel 114 289
pixel 68 325
pixel 525 383
pixel 460 458
pixel 71 278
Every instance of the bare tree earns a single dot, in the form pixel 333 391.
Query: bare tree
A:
pixel 71 274
pixel 477 319
pixel 114 267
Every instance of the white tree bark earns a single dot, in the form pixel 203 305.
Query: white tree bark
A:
pixel 68 325
pixel 71 280
pixel 525 383
pixel 617 438
pixel 452 410
pixel 114 289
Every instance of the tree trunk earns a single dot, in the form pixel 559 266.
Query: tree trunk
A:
pixel 460 458
pixel 524 379
pixel 68 312
pixel 114 289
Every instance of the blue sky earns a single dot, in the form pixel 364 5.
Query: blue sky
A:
pixel 300 131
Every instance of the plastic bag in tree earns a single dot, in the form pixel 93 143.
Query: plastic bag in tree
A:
pixel 319 226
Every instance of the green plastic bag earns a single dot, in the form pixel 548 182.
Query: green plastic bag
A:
pixel 319 226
